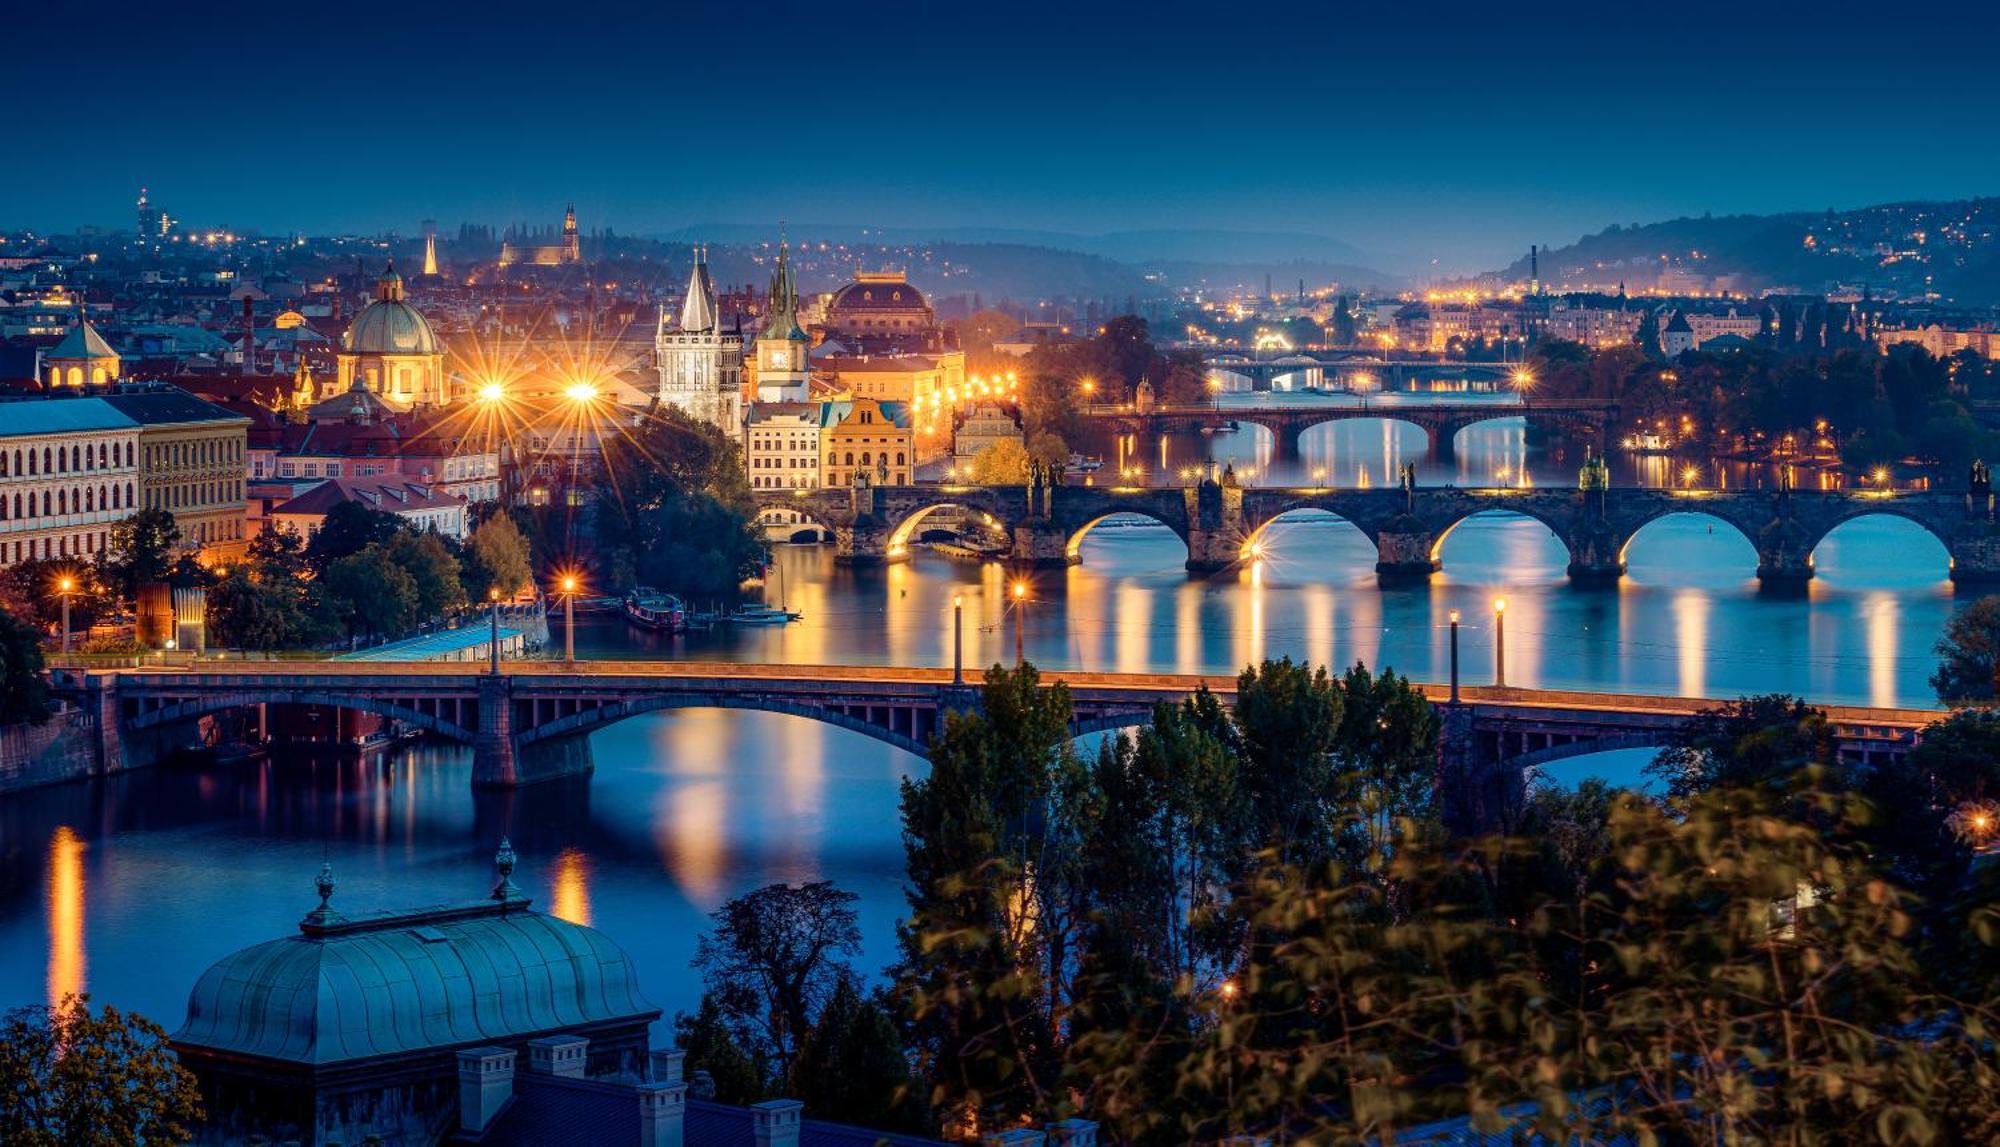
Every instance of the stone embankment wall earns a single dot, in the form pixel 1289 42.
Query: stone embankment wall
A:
pixel 62 748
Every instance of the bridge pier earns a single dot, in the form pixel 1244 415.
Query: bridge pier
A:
pixel 1975 549
pixel 864 544
pixel 1040 545
pixel 1403 552
pixel 1596 556
pixel 1443 442
pixel 493 760
pixel 1477 791
pixel 1784 556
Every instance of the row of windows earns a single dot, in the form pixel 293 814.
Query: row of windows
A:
pixel 69 545
pixel 182 495
pixel 203 533
pixel 790 462
pixel 76 458
pixel 208 452
pixel 867 459
pixel 775 482
pixel 68 500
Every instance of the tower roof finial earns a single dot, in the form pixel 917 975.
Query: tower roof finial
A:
pixel 323 915
pixel 505 890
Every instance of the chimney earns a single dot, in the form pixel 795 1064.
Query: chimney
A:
pixel 560 1055
pixel 249 337
pixel 485 1086
pixel 1013 1137
pixel 1073 1133
pixel 666 1065
pixel 775 1122
pixel 663 1113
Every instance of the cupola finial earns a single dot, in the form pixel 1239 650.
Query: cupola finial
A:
pixel 323 915
pixel 505 890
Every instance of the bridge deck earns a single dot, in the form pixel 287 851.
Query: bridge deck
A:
pixel 724 674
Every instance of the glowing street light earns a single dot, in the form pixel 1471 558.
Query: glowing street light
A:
pixel 958 639
pixel 492 392
pixel 493 638
pixel 1454 657
pixel 569 584
pixel 65 586
pixel 581 392
pixel 1499 643
pixel 1019 592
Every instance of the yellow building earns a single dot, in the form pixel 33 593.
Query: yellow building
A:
pixel 81 359
pixel 868 437
pixel 191 464
pixel 392 352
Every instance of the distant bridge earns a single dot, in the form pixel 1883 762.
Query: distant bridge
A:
pixel 1263 368
pixel 1223 524
pixel 1440 421
pixel 532 721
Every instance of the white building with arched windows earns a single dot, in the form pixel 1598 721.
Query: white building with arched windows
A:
pixel 69 472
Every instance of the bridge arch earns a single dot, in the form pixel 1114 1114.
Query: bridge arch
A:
pixel 202 706
pixel 800 516
pixel 914 737
pixel 1885 508
pixel 907 530
pixel 1692 510
pixel 1257 542
pixel 1073 545
pixel 1504 508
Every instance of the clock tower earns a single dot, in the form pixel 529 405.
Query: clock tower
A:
pixel 781 366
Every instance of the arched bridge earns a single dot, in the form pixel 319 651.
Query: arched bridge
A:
pixel 1222 523
pixel 1440 421
pixel 1264 367
pixel 532 721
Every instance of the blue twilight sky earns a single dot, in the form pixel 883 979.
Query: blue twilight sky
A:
pixel 1436 129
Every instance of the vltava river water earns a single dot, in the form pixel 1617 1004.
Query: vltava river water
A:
pixel 128 888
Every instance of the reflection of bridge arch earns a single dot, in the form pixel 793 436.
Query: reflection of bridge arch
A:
pixel 1625 549
pixel 1293 514
pixel 456 726
pixel 1073 546
pixel 1522 509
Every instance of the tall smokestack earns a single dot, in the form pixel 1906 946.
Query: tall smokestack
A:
pixel 249 337
pixel 1534 269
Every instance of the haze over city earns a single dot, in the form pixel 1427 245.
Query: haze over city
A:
pixel 1444 131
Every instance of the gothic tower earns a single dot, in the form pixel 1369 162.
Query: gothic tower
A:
pixel 701 365
pixel 781 366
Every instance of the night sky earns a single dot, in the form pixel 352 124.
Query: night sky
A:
pixel 1416 131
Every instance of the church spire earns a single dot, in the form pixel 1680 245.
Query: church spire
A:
pixel 698 311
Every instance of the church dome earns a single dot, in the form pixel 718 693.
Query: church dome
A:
pixel 389 325
pixel 397 983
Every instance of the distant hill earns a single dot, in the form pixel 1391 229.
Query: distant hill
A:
pixel 1901 250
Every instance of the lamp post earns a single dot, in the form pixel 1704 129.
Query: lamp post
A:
pixel 493 611
pixel 1499 643
pixel 569 620
pixel 1020 591
pixel 958 639
pixel 1454 657
pixel 65 587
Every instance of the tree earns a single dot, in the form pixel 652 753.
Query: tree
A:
pixel 851 1067
pixel 673 510
pixel 773 960
pixel 140 551
pixel 497 558
pixel 1762 740
pixel 714 1047
pixel 349 528
pixel 368 595
pixel 245 612
pixel 69 1078
pixel 1285 727
pixel 1005 463
pixel 24 692
pixel 1342 330
pixel 1969 654
pixel 31 590
pixel 1387 749
pixel 433 569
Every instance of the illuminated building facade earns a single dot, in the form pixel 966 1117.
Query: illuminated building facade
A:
pixel 69 471
pixel 81 359
pixel 391 351
pixel 865 437
pixel 701 365
pixel 516 249
pixel 192 463
pixel 779 366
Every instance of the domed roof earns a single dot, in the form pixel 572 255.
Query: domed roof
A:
pixel 877 292
pixel 390 326
pixel 393 983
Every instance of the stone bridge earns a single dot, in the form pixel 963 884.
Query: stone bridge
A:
pixel 1263 368
pixel 1440 421
pixel 1223 524
pixel 532 722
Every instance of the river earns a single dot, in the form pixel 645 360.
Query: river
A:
pixel 129 887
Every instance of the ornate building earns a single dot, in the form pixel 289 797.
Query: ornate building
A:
pixel 81 359
pixel 701 365
pixel 516 250
pixel 780 367
pixel 391 352
pixel 877 304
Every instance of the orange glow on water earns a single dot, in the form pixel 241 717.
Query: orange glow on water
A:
pixel 68 965
pixel 571 900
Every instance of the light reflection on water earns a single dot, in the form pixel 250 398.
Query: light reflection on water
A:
pixel 689 808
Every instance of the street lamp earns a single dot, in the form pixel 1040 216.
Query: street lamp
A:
pixel 958 639
pixel 492 392
pixel 64 587
pixel 493 610
pixel 1499 643
pixel 1454 657
pixel 569 587
pixel 1020 592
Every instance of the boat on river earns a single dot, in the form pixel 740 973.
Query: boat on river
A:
pixel 751 613
pixel 654 610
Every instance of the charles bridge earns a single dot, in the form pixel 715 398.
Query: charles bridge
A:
pixel 1223 523
pixel 531 721
pixel 1440 421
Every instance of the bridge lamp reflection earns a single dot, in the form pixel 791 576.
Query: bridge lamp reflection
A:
pixel 1690 474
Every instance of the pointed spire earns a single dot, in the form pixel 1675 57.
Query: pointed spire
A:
pixel 698 309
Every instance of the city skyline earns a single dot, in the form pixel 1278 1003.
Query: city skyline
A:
pixel 1443 135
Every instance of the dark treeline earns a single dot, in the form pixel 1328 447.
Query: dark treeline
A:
pixel 1249 919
